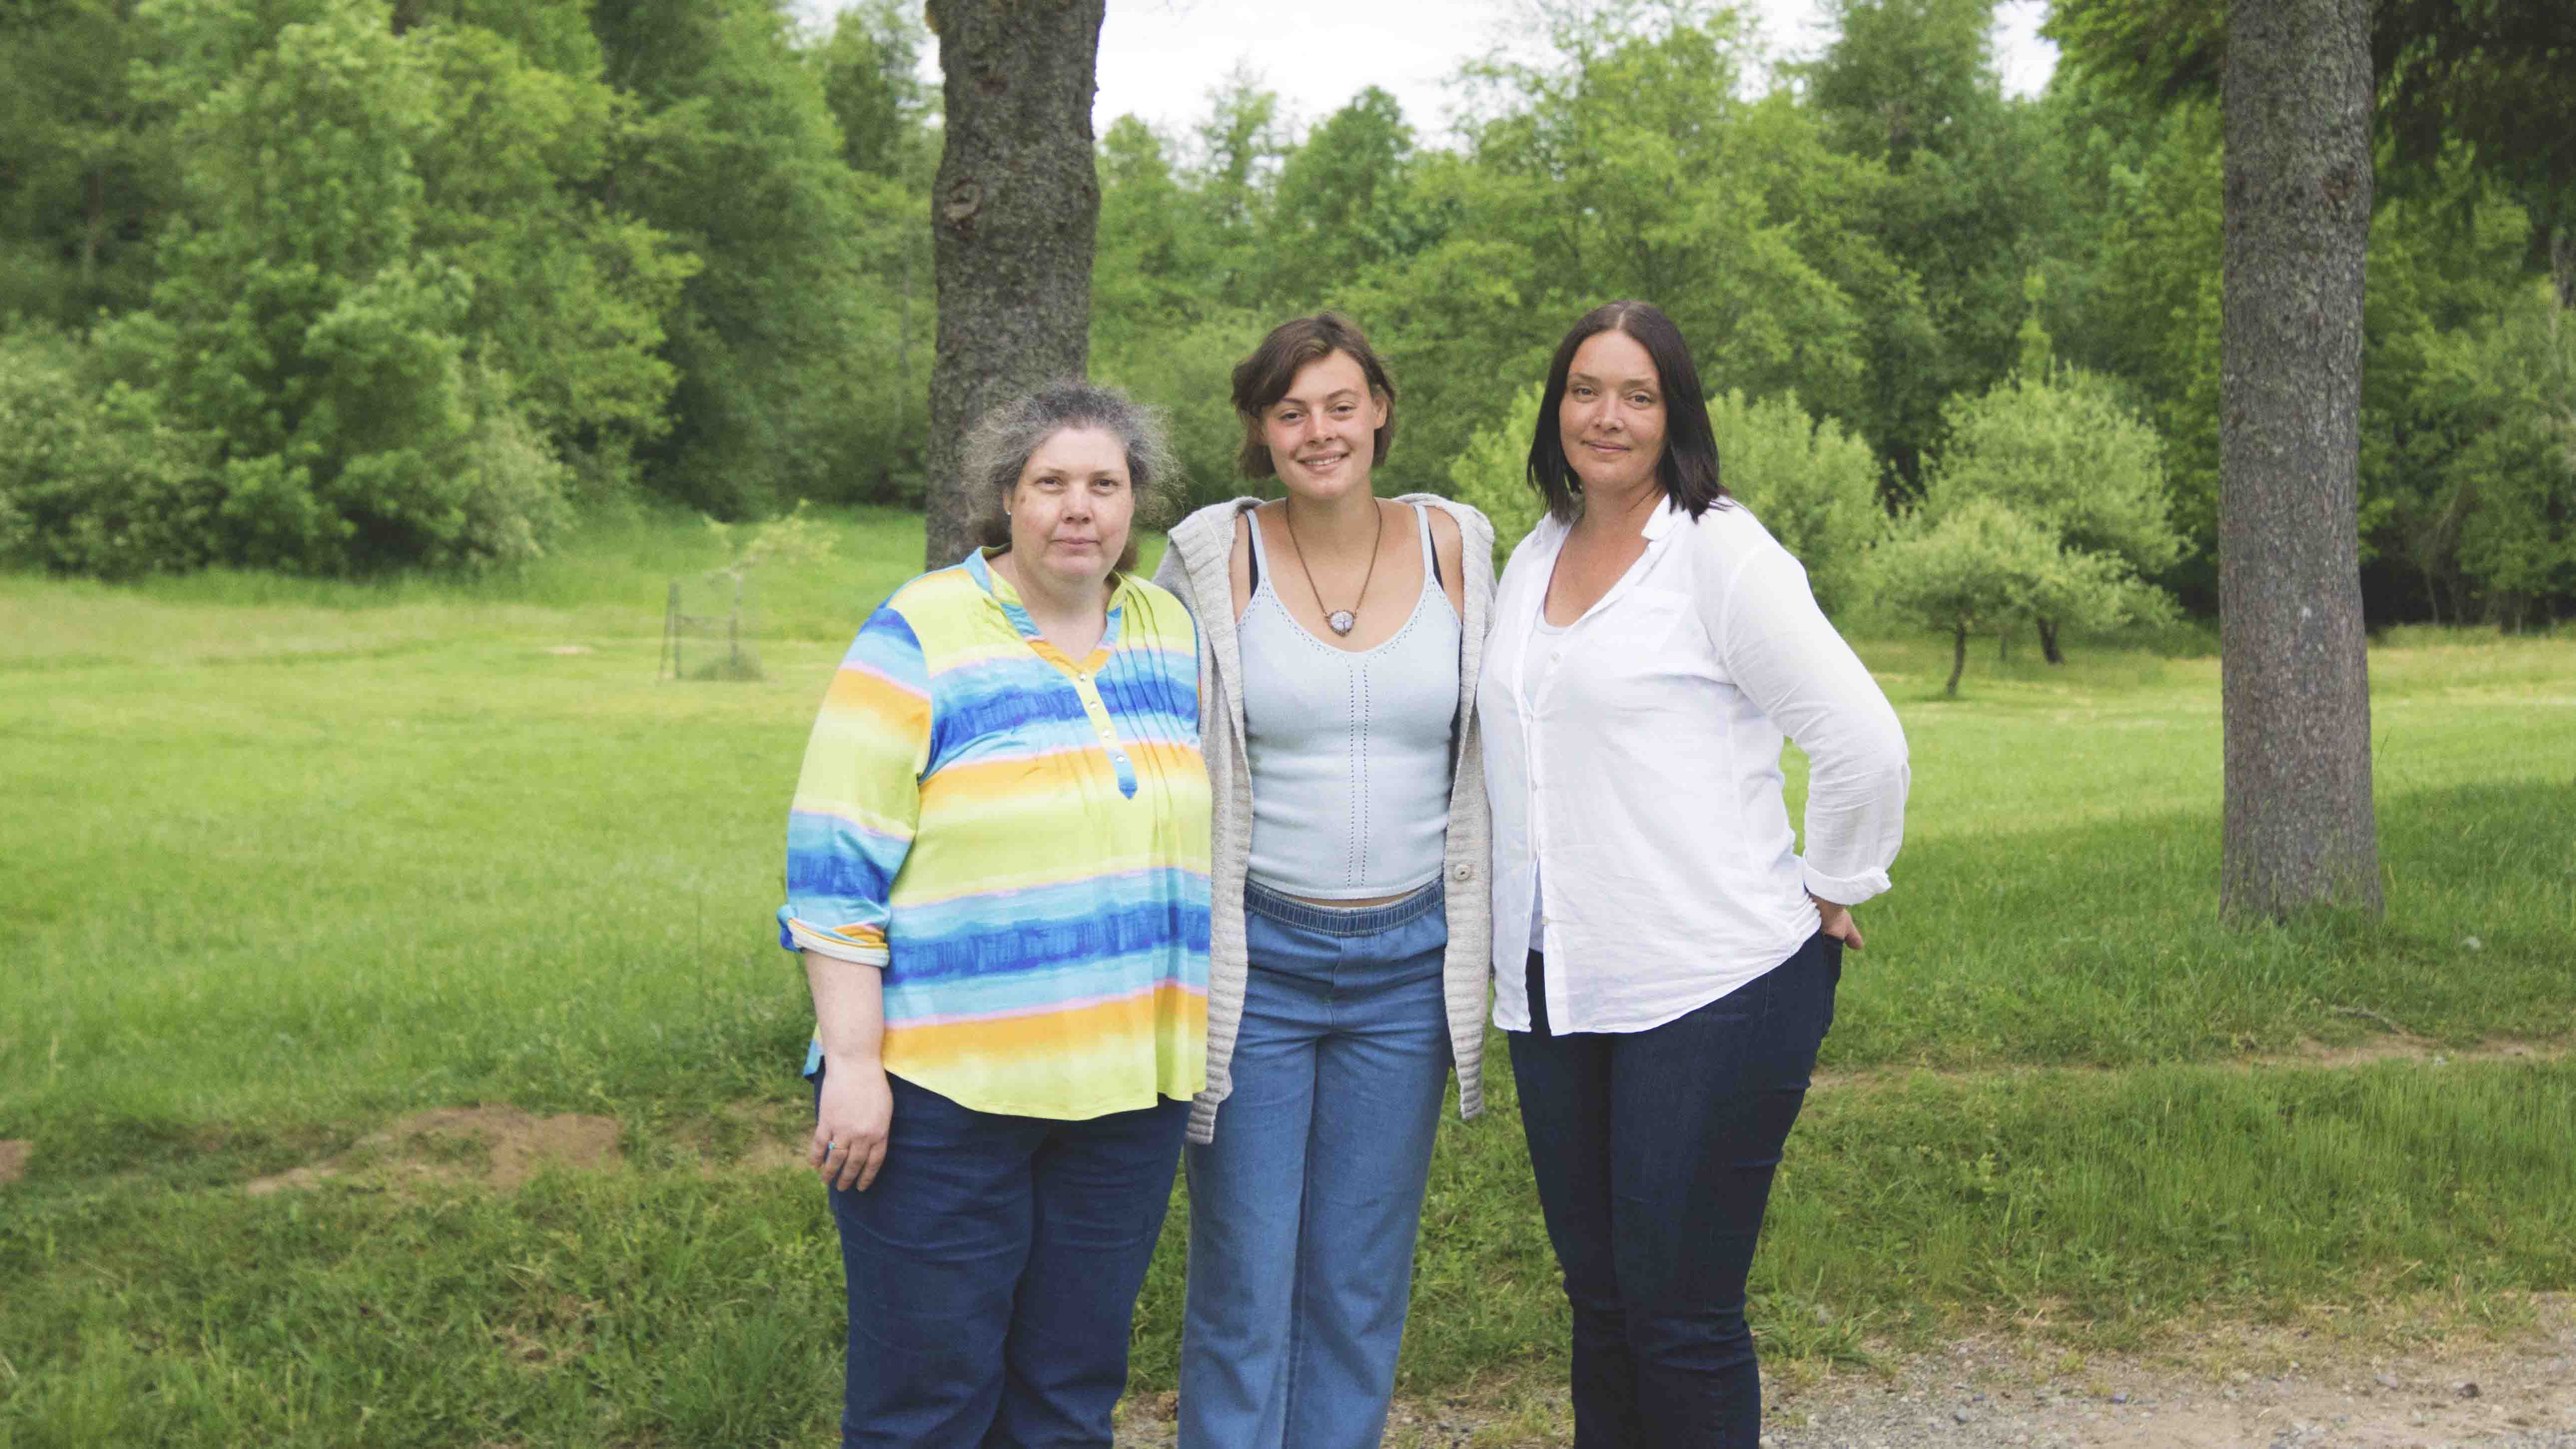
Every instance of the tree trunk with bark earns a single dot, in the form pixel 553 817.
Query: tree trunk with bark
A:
pixel 2296 91
pixel 1958 659
pixel 2048 649
pixel 1012 215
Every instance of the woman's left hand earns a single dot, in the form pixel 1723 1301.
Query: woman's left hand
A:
pixel 1836 921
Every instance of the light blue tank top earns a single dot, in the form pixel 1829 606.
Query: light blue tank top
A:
pixel 1350 751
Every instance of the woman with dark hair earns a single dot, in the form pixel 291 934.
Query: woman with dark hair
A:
pixel 1664 960
pixel 997 873
pixel 1339 636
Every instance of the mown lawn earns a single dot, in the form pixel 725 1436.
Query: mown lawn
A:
pixel 287 860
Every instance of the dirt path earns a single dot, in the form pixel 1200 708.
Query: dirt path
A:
pixel 2237 1389
pixel 2257 1391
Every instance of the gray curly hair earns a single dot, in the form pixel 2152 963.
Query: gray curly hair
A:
pixel 998 450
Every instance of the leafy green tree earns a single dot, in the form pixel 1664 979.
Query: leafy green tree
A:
pixel 1981 568
pixel 1813 485
pixel 1159 328
pixel 2510 486
pixel 1628 164
pixel 88 168
pixel 1344 204
pixel 300 331
pixel 2062 453
pixel 868 67
pixel 735 155
pixel 568 297
pixel 1968 203
pixel 1236 155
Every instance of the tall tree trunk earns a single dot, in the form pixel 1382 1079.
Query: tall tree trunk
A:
pixel 1012 215
pixel 1958 658
pixel 2048 649
pixel 2296 91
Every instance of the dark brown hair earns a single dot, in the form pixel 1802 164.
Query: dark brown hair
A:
pixel 1262 379
pixel 1688 469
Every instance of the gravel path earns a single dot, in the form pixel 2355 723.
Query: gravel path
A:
pixel 2517 1397
pixel 2250 1389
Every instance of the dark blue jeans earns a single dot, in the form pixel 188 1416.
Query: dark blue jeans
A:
pixel 1654 1152
pixel 993 1267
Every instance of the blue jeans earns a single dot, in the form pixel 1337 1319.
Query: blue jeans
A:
pixel 1654 1152
pixel 993 1267
pixel 1303 1210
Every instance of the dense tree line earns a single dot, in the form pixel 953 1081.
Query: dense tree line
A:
pixel 345 284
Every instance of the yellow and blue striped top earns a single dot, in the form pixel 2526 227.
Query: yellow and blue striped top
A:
pixel 1020 841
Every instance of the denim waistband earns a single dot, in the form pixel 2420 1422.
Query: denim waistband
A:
pixel 1341 920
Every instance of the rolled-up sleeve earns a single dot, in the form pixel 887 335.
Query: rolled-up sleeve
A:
pixel 858 797
pixel 1786 657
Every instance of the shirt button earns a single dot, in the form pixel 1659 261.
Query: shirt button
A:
pixel 1462 871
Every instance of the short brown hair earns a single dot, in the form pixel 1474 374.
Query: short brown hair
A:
pixel 1262 379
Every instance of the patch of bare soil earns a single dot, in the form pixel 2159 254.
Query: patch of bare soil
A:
pixel 2408 1048
pixel 496 1146
pixel 762 1137
pixel 13 1159
pixel 2371 1051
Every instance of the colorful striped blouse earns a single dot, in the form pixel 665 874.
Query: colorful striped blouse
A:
pixel 1020 842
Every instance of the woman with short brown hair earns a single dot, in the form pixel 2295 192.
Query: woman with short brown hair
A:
pixel 1339 635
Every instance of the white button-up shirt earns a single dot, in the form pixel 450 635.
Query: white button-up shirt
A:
pixel 1636 758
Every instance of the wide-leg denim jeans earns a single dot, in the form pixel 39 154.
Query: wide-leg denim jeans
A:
pixel 1304 1208
pixel 993 1268
pixel 1654 1152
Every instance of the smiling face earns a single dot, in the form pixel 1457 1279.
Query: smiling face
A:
pixel 1611 419
pixel 1322 433
pixel 1072 506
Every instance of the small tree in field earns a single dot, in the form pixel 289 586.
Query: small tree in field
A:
pixel 2061 452
pixel 1980 568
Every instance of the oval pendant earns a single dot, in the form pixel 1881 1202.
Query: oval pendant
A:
pixel 1342 620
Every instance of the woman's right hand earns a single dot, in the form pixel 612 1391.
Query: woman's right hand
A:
pixel 1836 921
pixel 851 1118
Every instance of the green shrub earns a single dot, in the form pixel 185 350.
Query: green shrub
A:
pixel 1814 486
pixel 91 482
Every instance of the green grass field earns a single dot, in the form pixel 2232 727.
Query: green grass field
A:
pixel 287 860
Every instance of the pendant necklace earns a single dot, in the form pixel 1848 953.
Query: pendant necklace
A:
pixel 1340 621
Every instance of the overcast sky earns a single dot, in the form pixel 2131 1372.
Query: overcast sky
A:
pixel 1160 58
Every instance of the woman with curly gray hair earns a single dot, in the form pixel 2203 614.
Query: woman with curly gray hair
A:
pixel 997 874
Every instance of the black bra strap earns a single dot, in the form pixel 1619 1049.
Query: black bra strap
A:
pixel 1252 554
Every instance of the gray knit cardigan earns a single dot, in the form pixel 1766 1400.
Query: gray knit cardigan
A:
pixel 1197 567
